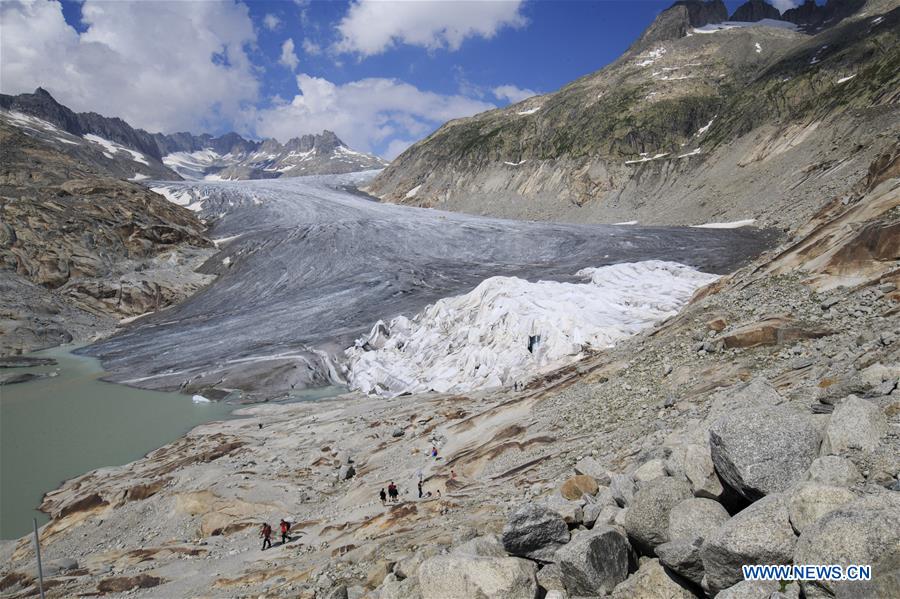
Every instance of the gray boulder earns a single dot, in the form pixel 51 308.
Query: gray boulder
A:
pixel 833 470
pixel 622 488
pixel 855 424
pixel 758 452
pixel 595 561
pixel 549 578
pixel 866 531
pixel 483 546
pixel 761 534
pixel 535 531
pixel 651 581
pixel 650 470
pixel 647 520
pixel 696 517
pixel 757 589
pixel 682 556
pixel 467 577
pixel 571 511
pixel 810 501
pixel 700 472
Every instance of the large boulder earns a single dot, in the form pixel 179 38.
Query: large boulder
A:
pixel 535 531
pixel 484 546
pixel 760 589
pixel 758 452
pixel 571 511
pixel 682 556
pixel 621 486
pixel 696 517
pixel 647 520
pixel 650 470
pixel 651 581
pixel 595 561
pixel 701 473
pixel 866 531
pixel 833 470
pixel 854 424
pixel 761 534
pixel 467 577
pixel 578 485
pixel 810 501
pixel 549 578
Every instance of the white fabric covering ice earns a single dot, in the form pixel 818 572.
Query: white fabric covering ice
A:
pixel 481 339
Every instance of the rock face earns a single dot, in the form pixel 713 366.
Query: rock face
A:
pixel 700 472
pixel 761 534
pixel 855 424
pixel 464 577
pixel 755 10
pixel 866 531
pixel 761 452
pixel 535 531
pixel 86 249
pixel 647 519
pixel 594 562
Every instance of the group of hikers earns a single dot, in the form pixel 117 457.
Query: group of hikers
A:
pixel 392 493
pixel 266 533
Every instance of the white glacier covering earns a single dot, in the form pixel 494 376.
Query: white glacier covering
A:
pixel 508 328
pixel 729 225
pixel 714 27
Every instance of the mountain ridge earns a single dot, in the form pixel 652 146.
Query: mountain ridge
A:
pixel 157 146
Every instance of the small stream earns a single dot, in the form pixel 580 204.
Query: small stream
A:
pixel 55 428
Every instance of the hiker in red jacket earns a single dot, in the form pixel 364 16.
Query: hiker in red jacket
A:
pixel 266 534
pixel 285 529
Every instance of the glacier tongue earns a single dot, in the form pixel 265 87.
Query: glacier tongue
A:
pixel 508 328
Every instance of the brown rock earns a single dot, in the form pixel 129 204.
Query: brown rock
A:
pixel 777 330
pixel 579 485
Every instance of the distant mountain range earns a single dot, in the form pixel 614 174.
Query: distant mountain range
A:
pixel 113 145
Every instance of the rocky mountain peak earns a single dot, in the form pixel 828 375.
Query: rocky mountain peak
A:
pixel 674 22
pixel 755 10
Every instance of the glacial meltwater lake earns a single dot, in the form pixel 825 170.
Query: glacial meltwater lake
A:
pixel 53 429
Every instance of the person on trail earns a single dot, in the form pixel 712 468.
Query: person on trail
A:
pixel 383 496
pixel 285 529
pixel 420 489
pixel 266 534
pixel 434 451
pixel 392 491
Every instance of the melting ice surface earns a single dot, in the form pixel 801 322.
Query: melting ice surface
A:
pixel 306 267
pixel 507 328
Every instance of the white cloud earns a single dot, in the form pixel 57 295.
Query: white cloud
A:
pixel 512 93
pixel 288 56
pixel 370 114
pixel 372 26
pixel 311 47
pixel 159 65
pixel 271 22
pixel 783 5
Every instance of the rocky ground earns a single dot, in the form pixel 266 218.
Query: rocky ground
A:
pixel 81 251
pixel 760 425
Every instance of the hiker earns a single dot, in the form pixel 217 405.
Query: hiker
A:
pixel 452 475
pixel 392 491
pixel 383 496
pixel 434 451
pixel 266 534
pixel 285 529
pixel 420 489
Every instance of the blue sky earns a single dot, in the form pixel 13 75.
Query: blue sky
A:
pixel 381 74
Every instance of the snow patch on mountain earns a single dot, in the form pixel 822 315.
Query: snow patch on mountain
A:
pixel 508 328
pixel 111 147
pixel 716 27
